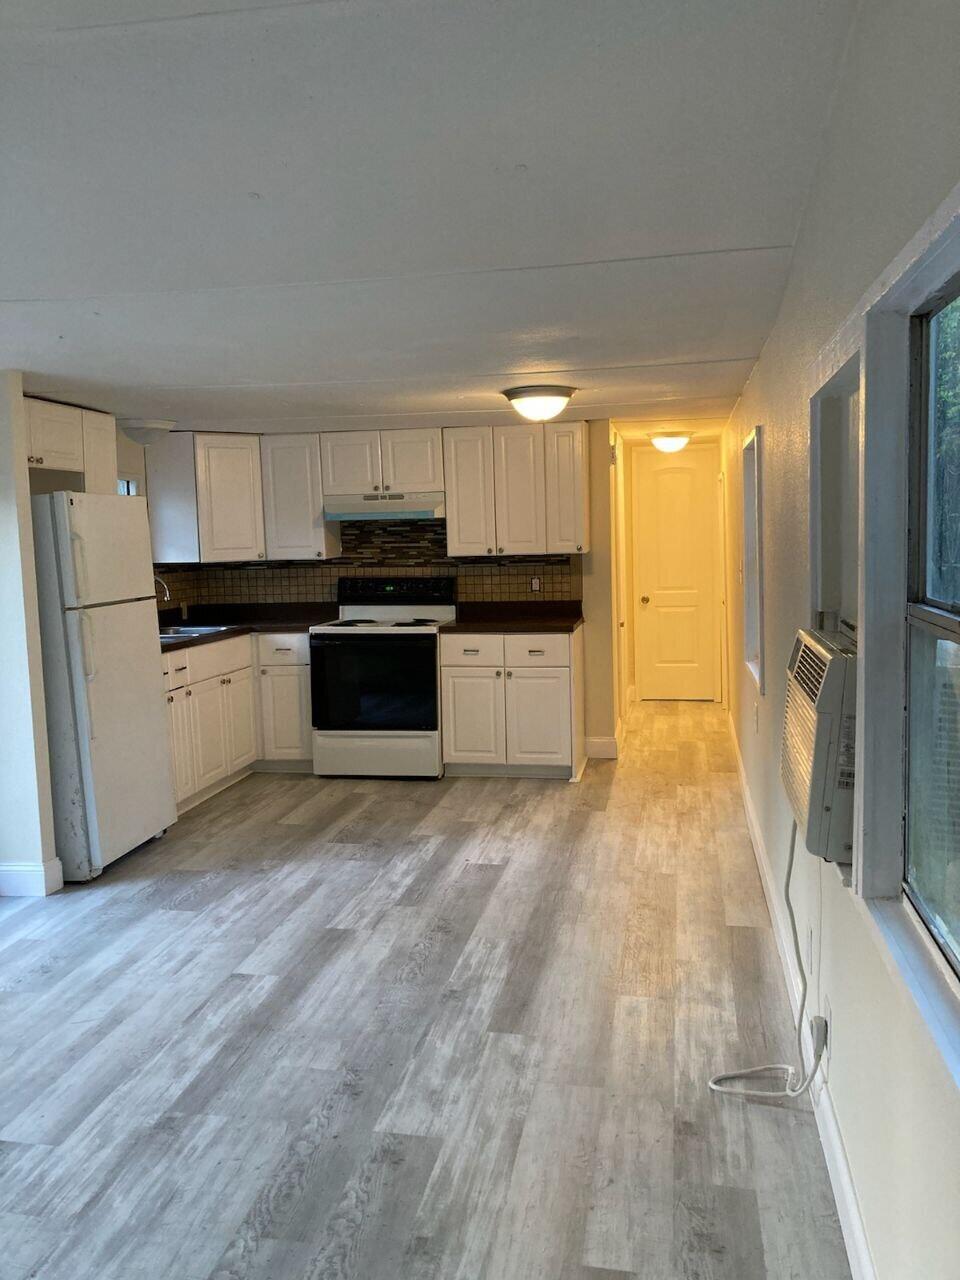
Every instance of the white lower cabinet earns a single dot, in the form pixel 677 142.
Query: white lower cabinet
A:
pixel 208 730
pixel 240 713
pixel 474 715
pixel 181 744
pixel 285 712
pixel 524 714
pixel 538 715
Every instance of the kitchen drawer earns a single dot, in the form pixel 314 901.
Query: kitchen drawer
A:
pixel 545 650
pixel 284 649
pixel 206 660
pixel 176 669
pixel 471 651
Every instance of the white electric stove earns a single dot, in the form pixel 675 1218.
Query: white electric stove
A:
pixel 375 678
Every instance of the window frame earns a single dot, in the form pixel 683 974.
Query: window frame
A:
pixel 753 442
pixel 924 612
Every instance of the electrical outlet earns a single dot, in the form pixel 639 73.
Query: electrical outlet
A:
pixel 534 584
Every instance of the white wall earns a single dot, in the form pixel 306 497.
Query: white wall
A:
pixel 28 864
pixel 892 154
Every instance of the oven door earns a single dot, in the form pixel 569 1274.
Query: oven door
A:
pixel 374 683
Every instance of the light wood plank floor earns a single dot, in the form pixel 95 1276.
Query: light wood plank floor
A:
pixel 426 1031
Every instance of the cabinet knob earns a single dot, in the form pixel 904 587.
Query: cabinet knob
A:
pixel 376 488
pixel 319 555
pixel 260 555
pixel 499 674
pixel 489 551
pixel 38 461
pixel 263 671
pixel 223 679
pixel 31 459
pixel 169 697
pixel 579 546
pixel 386 488
pixel 189 693
pixel 499 551
pixel 509 675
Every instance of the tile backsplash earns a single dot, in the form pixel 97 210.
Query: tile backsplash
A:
pixel 377 549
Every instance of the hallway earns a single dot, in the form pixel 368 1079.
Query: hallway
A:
pixel 439 1031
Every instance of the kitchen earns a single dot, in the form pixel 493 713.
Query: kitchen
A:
pixel 399 603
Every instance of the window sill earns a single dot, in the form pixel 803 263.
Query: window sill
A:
pixel 916 963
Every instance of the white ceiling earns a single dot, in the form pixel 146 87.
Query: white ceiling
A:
pixel 350 212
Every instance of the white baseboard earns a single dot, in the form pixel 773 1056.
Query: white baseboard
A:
pixel 831 1139
pixel 602 748
pixel 30 879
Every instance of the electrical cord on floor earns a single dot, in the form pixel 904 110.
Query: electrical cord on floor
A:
pixel 795 1082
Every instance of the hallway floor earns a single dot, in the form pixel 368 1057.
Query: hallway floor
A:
pixel 414 1031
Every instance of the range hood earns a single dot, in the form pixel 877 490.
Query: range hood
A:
pixel 384 506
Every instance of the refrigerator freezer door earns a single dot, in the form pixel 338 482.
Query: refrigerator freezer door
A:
pixel 122 726
pixel 103 548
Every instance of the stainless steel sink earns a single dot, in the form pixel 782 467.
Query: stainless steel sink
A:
pixel 171 632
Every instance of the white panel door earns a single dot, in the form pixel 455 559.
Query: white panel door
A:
pixel 229 497
pixel 520 489
pixel 292 497
pixel 104 548
pixel 468 474
pixel 412 460
pixel 240 714
pixel 538 715
pixel 208 729
pixel 351 462
pixel 675 587
pixel 567 487
pixel 55 433
pixel 99 452
pixel 285 709
pixel 181 744
pixel 123 725
pixel 474 718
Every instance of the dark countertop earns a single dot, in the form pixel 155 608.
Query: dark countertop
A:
pixel 508 617
pixel 516 617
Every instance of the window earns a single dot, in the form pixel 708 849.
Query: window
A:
pixel 128 486
pixel 751 573
pixel 932 863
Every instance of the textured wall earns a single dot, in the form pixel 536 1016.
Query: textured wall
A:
pixel 379 549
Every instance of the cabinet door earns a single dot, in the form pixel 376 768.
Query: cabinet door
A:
pixel 229 497
pixel 99 452
pixel 55 436
pixel 538 715
pixel 293 499
pixel 568 489
pixel 474 725
pixel 285 708
pixel 241 719
pixel 412 460
pixel 208 731
pixel 181 744
pixel 468 472
pixel 520 484
pixel 351 461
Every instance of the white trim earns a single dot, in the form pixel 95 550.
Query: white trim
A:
pixel 862 1266
pixel 30 879
pixel 602 748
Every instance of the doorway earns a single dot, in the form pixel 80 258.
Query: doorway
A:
pixel 677 566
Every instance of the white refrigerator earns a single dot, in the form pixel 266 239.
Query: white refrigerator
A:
pixel 107 725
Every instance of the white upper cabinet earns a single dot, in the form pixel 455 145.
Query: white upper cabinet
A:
pixel 99 452
pixel 55 436
pixel 229 497
pixel 351 462
pixel 412 460
pixel 568 487
pixel 293 499
pixel 471 509
pixel 520 489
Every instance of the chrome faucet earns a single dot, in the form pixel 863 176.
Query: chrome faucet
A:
pixel 166 589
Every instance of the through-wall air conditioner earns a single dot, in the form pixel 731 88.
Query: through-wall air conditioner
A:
pixel 819 736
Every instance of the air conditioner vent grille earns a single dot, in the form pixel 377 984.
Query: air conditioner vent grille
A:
pixel 797 751
pixel 809 672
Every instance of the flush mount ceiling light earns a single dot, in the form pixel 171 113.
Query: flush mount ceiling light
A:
pixel 670 441
pixel 539 404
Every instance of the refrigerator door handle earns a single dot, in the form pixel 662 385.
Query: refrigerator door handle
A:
pixel 89 665
pixel 79 555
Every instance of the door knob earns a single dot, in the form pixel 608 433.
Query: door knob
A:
pixel 644 599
